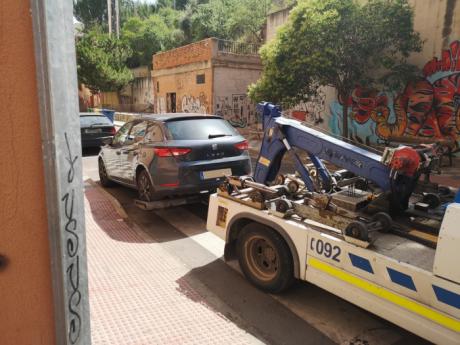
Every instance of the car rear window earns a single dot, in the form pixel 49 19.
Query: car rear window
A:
pixel 200 129
pixel 96 120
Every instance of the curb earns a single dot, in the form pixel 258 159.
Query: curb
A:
pixel 121 211
pixel 116 204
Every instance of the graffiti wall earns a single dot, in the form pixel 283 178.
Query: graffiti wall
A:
pixel 237 109
pixel 161 105
pixel 192 104
pixel 312 110
pixel 428 107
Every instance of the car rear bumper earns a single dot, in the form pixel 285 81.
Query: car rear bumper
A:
pixel 191 179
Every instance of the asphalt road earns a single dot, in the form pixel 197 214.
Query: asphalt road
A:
pixel 305 314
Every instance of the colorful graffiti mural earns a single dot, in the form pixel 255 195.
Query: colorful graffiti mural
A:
pixel 428 107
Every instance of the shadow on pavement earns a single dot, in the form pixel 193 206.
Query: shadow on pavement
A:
pixel 247 307
pixel 105 215
pixel 90 151
pixel 150 222
pixel 276 323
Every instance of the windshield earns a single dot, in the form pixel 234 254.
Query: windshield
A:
pixel 200 129
pixel 96 120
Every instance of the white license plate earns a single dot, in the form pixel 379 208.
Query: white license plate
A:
pixel 94 130
pixel 215 173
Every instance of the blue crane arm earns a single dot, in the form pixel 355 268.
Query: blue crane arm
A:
pixel 281 134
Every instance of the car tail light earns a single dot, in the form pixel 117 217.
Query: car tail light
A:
pixel 242 146
pixel 174 184
pixel 171 151
pixel 113 131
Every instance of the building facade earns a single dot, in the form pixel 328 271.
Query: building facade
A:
pixel 428 107
pixel 210 76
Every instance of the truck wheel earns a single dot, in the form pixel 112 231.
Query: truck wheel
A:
pixel 103 176
pixel 265 258
pixel 385 221
pixel 357 230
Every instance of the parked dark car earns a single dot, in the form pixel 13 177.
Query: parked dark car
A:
pixel 95 128
pixel 173 154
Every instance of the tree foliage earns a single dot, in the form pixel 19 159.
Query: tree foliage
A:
pixel 239 20
pixel 95 12
pixel 101 61
pixel 145 37
pixel 338 43
pixel 174 4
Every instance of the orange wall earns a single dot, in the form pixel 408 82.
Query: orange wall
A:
pixel 26 310
pixel 190 96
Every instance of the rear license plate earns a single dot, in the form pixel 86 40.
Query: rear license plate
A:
pixel 93 130
pixel 205 175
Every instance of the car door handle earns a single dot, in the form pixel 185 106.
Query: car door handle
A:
pixel 118 152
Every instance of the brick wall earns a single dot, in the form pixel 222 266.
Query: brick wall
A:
pixel 195 52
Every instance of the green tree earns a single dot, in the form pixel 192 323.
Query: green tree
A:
pixel 90 12
pixel 94 12
pixel 247 20
pixel 143 10
pixel 211 19
pixel 238 20
pixel 174 4
pixel 101 61
pixel 338 43
pixel 145 37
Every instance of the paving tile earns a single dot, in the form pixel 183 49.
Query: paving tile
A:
pixel 136 292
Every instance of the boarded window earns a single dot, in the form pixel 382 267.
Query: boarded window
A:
pixel 200 79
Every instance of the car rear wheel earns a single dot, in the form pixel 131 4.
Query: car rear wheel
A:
pixel 103 176
pixel 265 258
pixel 144 186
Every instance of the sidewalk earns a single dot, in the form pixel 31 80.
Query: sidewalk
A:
pixel 137 292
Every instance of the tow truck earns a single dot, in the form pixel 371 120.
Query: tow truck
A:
pixel 373 229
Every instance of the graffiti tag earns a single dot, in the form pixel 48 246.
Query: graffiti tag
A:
pixel 72 246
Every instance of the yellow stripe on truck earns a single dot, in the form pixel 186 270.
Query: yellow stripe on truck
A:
pixel 377 290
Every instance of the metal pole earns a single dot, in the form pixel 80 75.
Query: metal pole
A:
pixel 56 75
pixel 109 16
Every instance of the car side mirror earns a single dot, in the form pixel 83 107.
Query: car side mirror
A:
pixel 107 141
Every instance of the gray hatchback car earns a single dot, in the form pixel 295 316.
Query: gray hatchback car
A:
pixel 173 154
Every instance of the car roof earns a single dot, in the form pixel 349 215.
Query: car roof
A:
pixel 177 116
